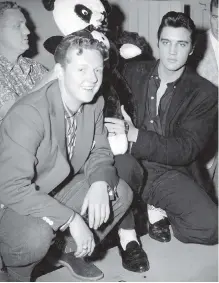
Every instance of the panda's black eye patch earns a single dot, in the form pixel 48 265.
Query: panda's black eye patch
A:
pixel 83 12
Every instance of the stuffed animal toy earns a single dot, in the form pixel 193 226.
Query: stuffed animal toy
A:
pixel 73 15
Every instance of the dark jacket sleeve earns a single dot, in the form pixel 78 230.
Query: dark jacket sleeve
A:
pixel 20 136
pixel 99 166
pixel 190 134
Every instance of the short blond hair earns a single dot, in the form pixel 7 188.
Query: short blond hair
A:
pixel 79 40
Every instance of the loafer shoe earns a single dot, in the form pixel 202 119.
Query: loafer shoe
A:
pixel 160 230
pixel 134 258
pixel 78 267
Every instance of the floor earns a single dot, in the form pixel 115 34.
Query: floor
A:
pixel 173 261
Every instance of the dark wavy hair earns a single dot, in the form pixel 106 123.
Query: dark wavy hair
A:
pixel 79 40
pixel 177 20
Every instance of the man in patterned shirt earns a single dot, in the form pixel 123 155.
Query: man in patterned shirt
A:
pixel 18 75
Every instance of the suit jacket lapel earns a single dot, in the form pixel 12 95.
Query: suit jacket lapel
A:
pixel 142 95
pixel 84 137
pixel 85 128
pixel 57 116
pixel 182 91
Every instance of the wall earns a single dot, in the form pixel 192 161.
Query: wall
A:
pixel 144 16
pixel 140 15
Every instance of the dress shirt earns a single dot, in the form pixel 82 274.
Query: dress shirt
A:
pixel 71 129
pixel 17 79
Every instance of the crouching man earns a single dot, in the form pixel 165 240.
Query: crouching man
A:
pixel 56 166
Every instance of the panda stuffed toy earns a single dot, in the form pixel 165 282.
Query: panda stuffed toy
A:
pixel 73 15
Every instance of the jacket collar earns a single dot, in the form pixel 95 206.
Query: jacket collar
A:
pixel 56 110
pixel 183 90
pixel 85 125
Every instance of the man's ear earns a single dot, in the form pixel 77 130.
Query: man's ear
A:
pixel 192 49
pixel 58 70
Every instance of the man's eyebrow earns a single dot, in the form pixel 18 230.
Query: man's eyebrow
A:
pixel 180 41
pixel 183 41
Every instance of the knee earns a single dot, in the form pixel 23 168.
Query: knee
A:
pixel 39 240
pixel 36 243
pixel 125 194
pixel 212 229
pixel 130 170
pixel 200 229
pixel 29 248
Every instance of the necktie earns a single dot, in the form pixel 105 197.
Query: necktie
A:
pixel 71 128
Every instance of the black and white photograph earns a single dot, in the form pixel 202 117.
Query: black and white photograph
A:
pixel 109 140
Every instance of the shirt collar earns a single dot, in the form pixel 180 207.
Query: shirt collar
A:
pixel 155 75
pixel 6 63
pixel 69 113
pixel 21 62
pixel 213 39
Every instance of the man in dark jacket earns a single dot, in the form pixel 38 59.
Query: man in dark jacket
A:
pixel 176 111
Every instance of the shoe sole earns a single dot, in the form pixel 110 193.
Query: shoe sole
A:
pixel 161 241
pixel 154 238
pixel 58 263
pixel 140 271
pixel 65 264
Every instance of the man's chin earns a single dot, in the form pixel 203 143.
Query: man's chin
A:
pixel 87 98
pixel 25 47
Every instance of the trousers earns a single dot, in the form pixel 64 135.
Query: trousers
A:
pixel 130 170
pixel 25 240
pixel 192 213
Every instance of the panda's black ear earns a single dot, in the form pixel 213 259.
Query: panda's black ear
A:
pixel 52 42
pixel 107 6
pixel 48 4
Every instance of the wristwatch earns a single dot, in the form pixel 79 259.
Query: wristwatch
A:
pixel 126 124
pixel 111 193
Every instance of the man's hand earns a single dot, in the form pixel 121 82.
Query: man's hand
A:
pixel 97 204
pixel 116 126
pixel 83 236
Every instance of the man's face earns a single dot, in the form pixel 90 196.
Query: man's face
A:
pixel 174 47
pixel 13 30
pixel 82 76
pixel 214 22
